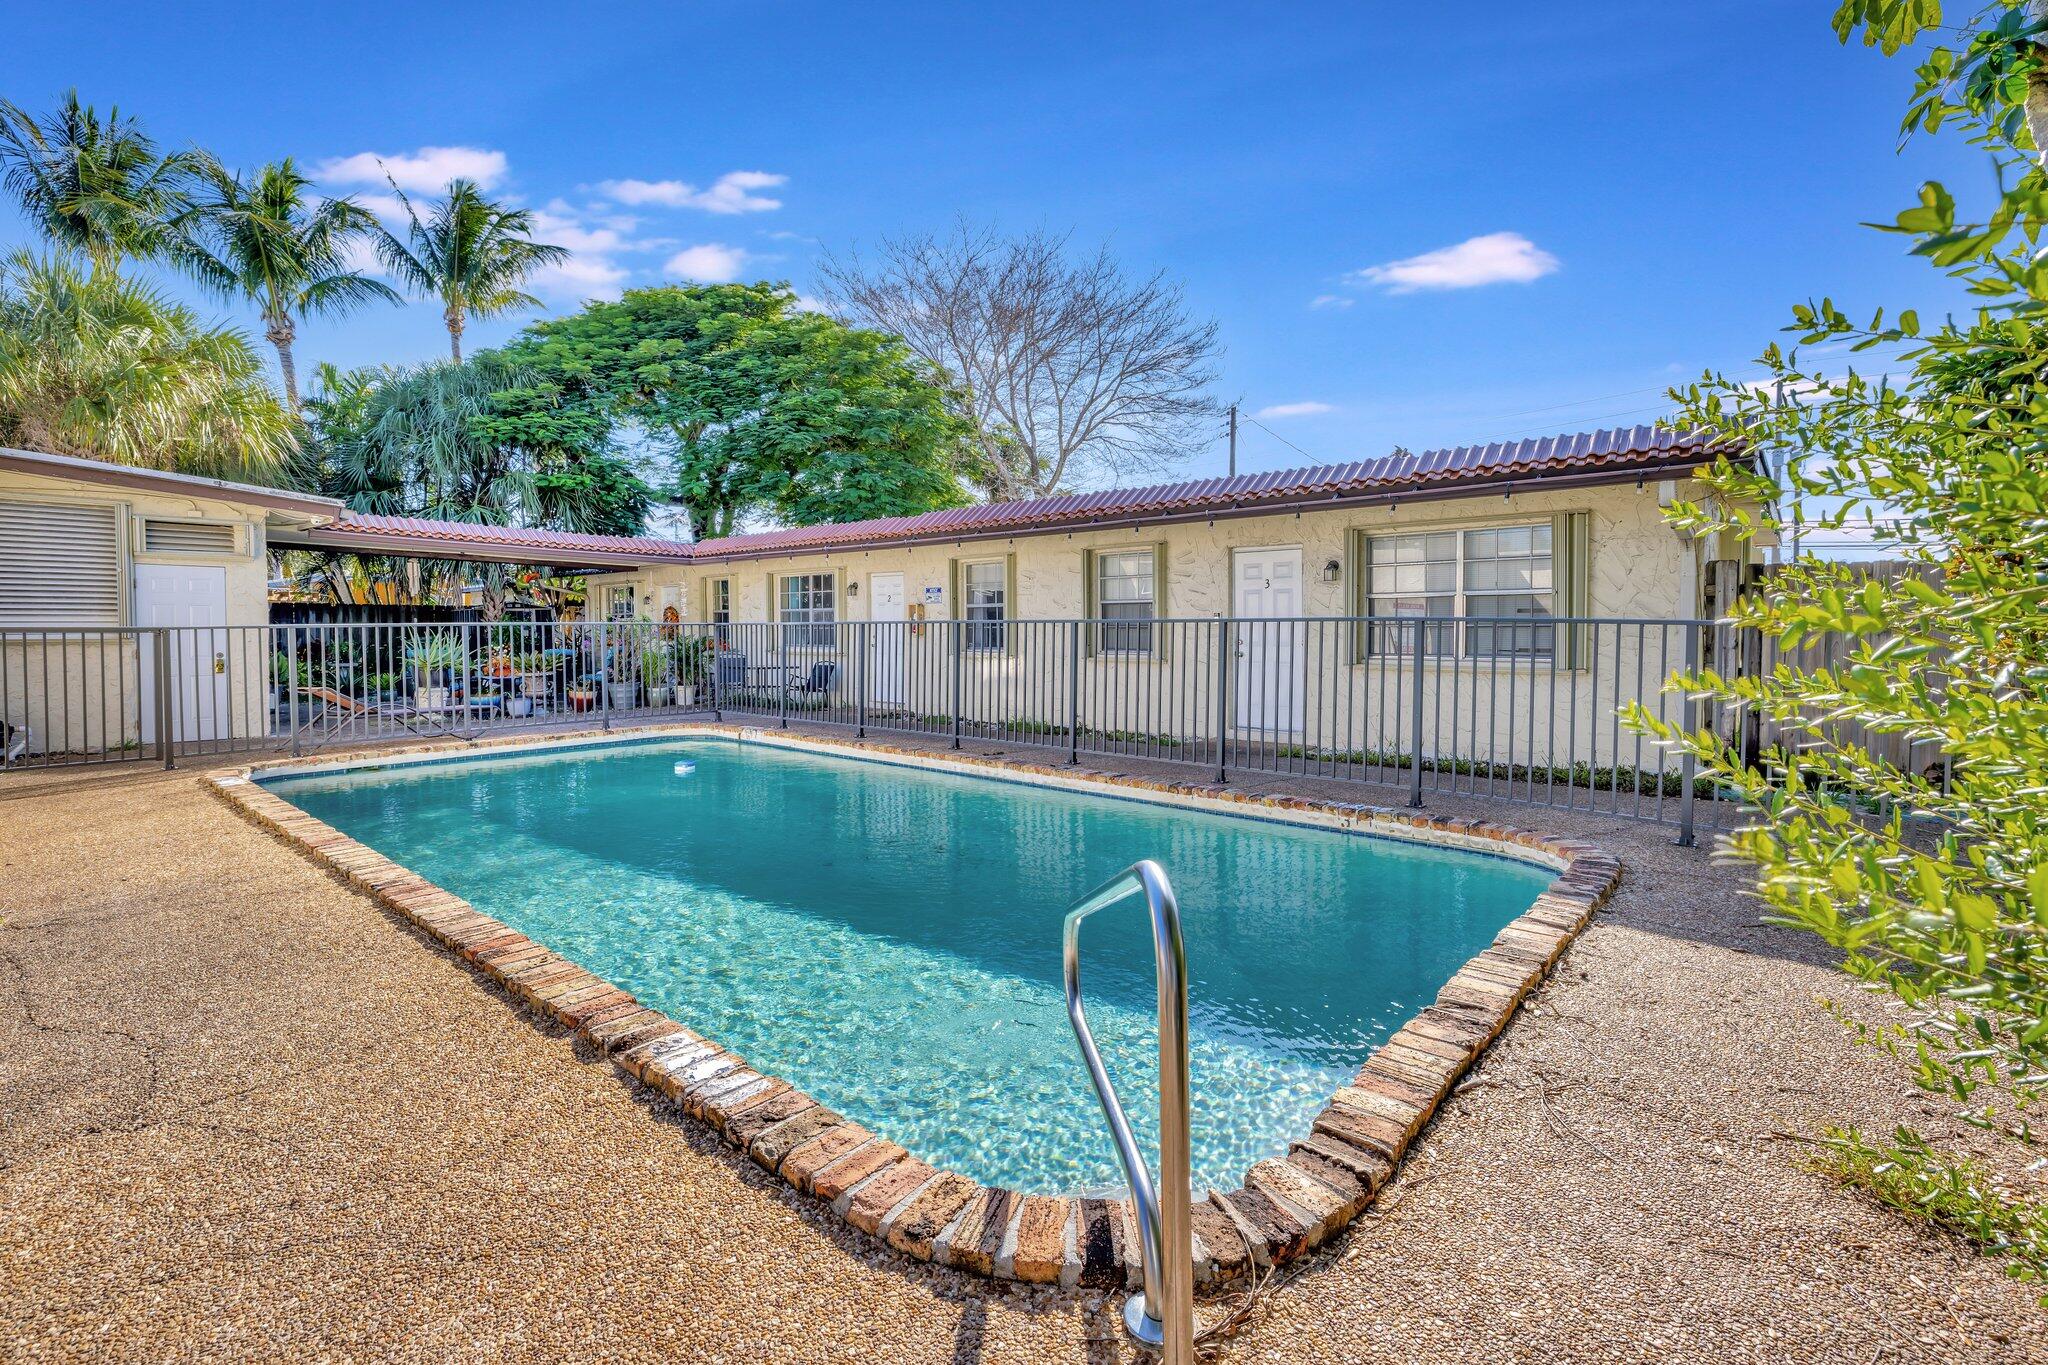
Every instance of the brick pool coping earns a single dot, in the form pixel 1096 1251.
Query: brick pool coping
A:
pixel 1284 1207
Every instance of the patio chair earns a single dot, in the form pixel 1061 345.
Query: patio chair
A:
pixel 14 742
pixel 823 678
pixel 732 672
pixel 338 711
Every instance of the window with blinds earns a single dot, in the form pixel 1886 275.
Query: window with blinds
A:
pixel 189 537
pixel 59 565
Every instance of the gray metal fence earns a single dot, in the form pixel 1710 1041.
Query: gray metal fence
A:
pixel 1511 708
pixel 1507 708
pixel 163 693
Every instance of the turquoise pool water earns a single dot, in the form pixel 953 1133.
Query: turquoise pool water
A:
pixel 889 938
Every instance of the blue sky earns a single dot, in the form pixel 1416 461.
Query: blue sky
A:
pixel 1624 192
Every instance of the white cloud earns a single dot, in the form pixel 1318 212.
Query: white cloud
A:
pixel 1331 301
pixel 580 277
pixel 709 262
pixel 360 256
pixel 1306 409
pixel 549 225
pixel 667 193
pixel 733 192
pixel 594 239
pixel 385 206
pixel 1496 258
pixel 428 169
pixel 808 303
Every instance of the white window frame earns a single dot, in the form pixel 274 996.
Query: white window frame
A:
pixel 614 594
pixel 1459 637
pixel 987 622
pixel 718 608
pixel 811 621
pixel 1138 636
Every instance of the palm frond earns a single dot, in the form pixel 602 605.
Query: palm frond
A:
pixel 92 364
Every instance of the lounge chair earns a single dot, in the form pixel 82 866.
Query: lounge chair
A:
pixel 338 711
pixel 14 741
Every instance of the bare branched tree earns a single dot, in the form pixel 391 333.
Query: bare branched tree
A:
pixel 1072 372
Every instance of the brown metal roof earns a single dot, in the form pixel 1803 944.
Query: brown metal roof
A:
pixel 362 533
pixel 1592 455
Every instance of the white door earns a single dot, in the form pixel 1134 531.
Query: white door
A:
pixel 887 639
pixel 1268 679
pixel 189 599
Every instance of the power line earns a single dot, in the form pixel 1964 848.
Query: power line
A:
pixel 1284 441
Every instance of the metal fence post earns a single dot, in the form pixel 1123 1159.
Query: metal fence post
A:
pixel 1223 654
pixel 292 662
pixel 1688 765
pixel 781 674
pixel 711 658
pixel 164 749
pixel 604 674
pixel 959 665
pixel 861 645
pixel 1073 692
pixel 1415 719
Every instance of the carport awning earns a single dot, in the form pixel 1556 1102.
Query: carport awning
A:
pixel 418 538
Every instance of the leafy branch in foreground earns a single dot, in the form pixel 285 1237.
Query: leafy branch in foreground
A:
pixel 1941 900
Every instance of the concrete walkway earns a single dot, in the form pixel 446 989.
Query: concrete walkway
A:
pixel 244 1114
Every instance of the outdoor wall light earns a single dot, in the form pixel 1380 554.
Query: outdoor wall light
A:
pixel 853 588
pixel 1332 571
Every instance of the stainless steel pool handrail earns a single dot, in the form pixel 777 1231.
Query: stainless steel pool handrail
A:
pixel 1163 1316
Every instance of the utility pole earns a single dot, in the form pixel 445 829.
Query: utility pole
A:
pixel 1233 440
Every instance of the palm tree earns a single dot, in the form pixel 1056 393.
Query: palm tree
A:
pixel 266 240
pixel 469 253
pixel 93 184
pixel 446 440
pixel 97 365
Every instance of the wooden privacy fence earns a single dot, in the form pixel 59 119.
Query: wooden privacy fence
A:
pixel 1833 652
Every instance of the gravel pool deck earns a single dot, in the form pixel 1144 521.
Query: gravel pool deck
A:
pixel 245 1114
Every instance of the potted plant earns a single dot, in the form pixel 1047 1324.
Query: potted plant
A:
pixel 622 679
pixel 292 675
pixel 693 666
pixel 654 676
pixel 431 657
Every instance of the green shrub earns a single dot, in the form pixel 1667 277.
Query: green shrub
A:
pixel 1946 450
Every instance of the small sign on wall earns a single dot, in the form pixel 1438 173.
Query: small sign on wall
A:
pixel 935 596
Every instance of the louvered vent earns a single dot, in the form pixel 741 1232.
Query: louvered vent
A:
pixel 188 537
pixel 59 565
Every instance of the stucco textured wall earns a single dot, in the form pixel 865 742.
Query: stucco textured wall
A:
pixel 1525 713
pixel 83 694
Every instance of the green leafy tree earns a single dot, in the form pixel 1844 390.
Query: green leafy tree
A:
pixel 1933 878
pixel 469 253
pixel 97 365
pixel 850 425
pixel 758 408
pixel 94 184
pixel 266 239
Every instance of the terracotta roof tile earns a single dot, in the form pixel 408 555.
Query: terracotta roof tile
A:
pixel 1619 450
pixel 509 537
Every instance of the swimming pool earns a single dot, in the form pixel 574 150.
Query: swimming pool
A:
pixel 887 937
